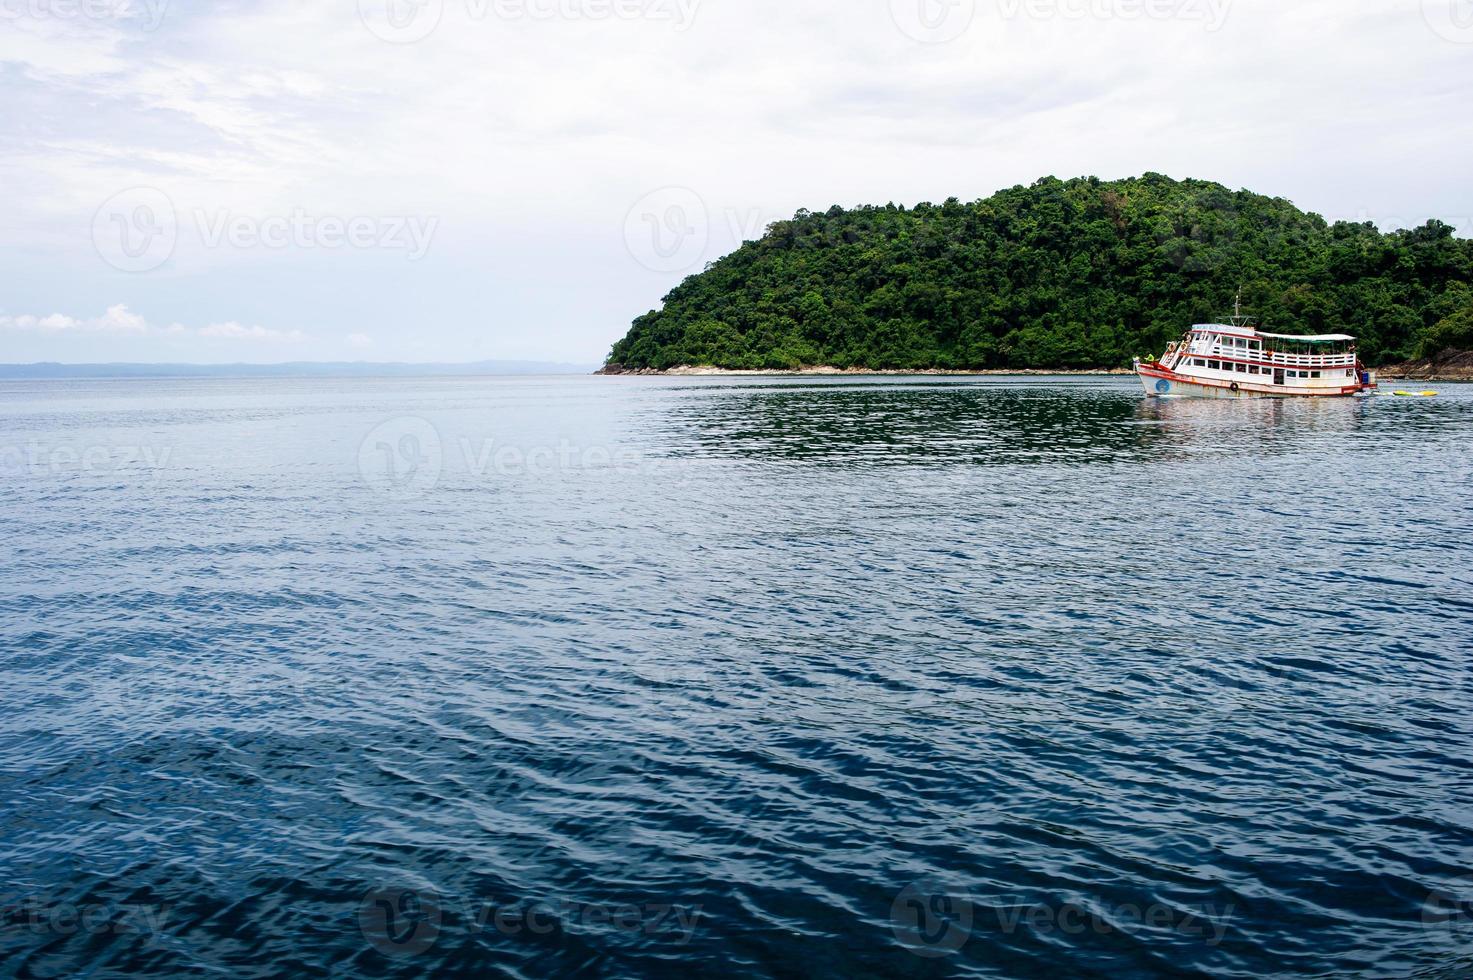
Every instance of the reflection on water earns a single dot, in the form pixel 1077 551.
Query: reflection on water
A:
pixel 992 422
pixel 904 424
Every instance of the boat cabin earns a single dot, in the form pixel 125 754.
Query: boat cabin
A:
pixel 1225 352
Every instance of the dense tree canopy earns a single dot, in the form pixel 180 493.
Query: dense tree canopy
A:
pixel 1062 274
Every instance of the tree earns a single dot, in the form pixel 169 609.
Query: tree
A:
pixel 1078 273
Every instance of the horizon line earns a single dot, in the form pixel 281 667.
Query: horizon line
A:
pixel 62 369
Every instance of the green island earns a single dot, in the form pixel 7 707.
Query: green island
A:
pixel 1078 274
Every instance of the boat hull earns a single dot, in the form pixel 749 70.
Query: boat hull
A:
pixel 1162 382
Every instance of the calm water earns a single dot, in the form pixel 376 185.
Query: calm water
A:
pixel 621 677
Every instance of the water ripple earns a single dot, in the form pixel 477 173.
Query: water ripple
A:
pixel 835 677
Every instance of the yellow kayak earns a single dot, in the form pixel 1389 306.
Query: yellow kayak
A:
pixel 1415 394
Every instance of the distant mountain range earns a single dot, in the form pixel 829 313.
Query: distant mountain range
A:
pixel 300 369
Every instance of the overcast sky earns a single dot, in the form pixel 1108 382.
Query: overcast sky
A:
pixel 455 180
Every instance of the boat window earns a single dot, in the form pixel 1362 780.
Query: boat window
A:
pixel 1214 365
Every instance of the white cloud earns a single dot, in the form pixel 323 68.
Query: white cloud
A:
pixel 119 319
pixel 359 340
pixel 234 331
pixel 532 137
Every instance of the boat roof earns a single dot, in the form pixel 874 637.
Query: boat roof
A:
pixel 1241 331
pixel 1228 328
pixel 1329 338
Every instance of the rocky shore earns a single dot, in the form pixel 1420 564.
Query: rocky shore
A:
pixel 1450 365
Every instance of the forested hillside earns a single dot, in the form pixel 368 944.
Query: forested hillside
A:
pixel 1063 274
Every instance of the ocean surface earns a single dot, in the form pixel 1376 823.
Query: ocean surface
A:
pixel 632 677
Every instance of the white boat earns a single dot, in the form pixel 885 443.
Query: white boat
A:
pixel 1236 360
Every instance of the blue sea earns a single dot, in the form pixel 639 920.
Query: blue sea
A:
pixel 641 677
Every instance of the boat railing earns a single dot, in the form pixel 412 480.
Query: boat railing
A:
pixel 1285 359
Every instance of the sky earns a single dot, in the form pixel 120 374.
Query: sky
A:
pixel 464 180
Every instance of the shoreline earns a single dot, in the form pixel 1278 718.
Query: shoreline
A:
pixel 713 372
pixel 833 372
